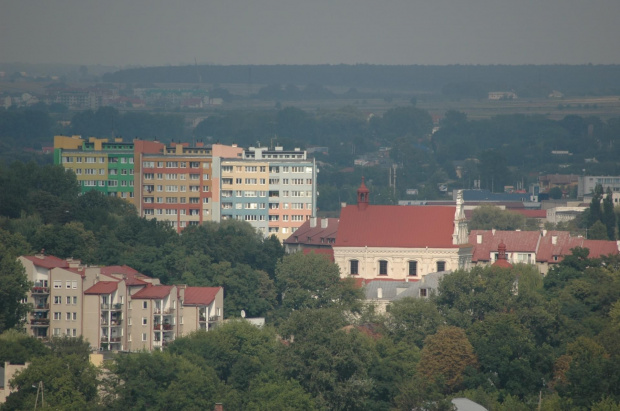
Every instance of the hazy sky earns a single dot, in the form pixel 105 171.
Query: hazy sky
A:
pixel 163 32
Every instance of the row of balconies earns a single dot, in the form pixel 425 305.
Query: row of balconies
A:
pixel 165 312
pixel 105 339
pixel 117 306
pixel 40 322
pixel 165 327
pixel 40 290
pixel 113 323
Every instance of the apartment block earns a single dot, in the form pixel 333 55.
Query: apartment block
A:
pixel 56 296
pixel 176 184
pixel 273 190
pixel 183 185
pixel 114 308
pixel 99 164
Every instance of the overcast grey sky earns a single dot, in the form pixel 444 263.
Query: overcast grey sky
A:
pixel 164 32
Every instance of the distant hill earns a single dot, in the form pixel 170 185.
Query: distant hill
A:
pixel 466 80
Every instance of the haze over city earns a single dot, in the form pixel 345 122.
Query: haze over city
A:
pixel 157 32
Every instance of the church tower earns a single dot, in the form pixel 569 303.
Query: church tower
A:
pixel 362 196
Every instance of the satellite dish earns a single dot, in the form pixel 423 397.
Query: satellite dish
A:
pixel 242 313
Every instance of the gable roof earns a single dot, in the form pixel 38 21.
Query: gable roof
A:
pixel 306 234
pixel 130 275
pixel 549 246
pixel 102 287
pixel 200 295
pixel 515 241
pixel 564 242
pixel 153 292
pixel 396 226
pixel 47 261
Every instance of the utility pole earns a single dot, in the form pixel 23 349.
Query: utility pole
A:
pixel 39 390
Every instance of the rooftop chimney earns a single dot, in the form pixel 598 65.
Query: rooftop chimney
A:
pixel 379 292
pixel 324 223
pixel 312 222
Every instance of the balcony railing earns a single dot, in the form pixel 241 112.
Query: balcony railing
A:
pixel 214 318
pixel 202 319
pixel 40 290
pixel 41 307
pixel 116 307
pixel 169 310
pixel 40 322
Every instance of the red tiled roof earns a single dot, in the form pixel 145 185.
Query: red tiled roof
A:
pixel 131 275
pixel 564 243
pixel 47 261
pixel 312 235
pixel 396 226
pixel 546 247
pixel 516 241
pixel 154 292
pixel 102 287
pixel 200 295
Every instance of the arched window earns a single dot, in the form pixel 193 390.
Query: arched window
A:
pixel 353 267
pixel 383 267
pixel 413 268
pixel 441 266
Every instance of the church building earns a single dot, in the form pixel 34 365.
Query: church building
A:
pixel 398 242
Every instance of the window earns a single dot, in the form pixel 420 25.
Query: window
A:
pixel 144 321
pixel 68 300
pixel 57 315
pixel 129 321
pixel 68 316
pixel 144 304
pixel 143 336
pixel 68 284
pixel 354 267
pixel 68 332
pixel 57 284
pixel 74 284
pixel 423 292
pixel 74 317
pixel 441 266
pixel 56 332
pixel 74 300
pixel 383 267
pixel 413 268
pixel 57 299
pixel 74 333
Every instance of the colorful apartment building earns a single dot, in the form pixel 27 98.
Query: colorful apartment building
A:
pixel 99 164
pixel 114 308
pixel 273 190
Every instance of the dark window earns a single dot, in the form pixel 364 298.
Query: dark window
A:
pixel 383 267
pixel 423 292
pixel 354 267
pixel 441 266
pixel 413 268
